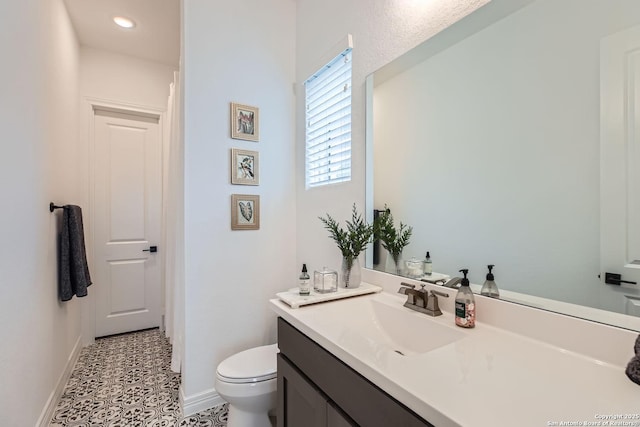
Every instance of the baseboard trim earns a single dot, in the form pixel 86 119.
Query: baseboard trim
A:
pixel 52 402
pixel 199 402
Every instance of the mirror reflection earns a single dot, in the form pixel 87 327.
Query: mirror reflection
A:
pixel 515 146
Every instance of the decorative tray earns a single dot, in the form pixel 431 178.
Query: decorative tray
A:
pixel 295 300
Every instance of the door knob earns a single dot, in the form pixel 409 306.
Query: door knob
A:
pixel 615 279
pixel 151 249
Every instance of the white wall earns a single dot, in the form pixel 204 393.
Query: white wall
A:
pixel 124 78
pixel 382 31
pixel 39 151
pixel 241 51
pixel 491 150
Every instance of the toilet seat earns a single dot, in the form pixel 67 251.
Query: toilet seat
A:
pixel 250 366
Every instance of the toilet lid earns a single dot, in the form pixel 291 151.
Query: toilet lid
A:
pixel 253 365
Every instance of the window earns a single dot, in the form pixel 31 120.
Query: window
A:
pixel 328 123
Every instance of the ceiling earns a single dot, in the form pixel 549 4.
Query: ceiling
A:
pixel 156 36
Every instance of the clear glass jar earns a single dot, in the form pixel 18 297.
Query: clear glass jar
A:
pixel 325 281
pixel 415 268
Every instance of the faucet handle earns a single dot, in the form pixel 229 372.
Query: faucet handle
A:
pixel 404 287
pixel 442 294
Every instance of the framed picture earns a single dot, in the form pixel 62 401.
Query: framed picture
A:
pixel 245 167
pixel 245 122
pixel 245 212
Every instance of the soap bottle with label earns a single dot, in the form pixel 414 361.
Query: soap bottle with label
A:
pixel 428 266
pixel 490 289
pixel 465 304
pixel 304 283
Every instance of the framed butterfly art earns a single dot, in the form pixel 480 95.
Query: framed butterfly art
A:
pixel 245 212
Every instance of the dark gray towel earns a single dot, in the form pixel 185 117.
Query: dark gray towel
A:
pixel 72 268
pixel 633 368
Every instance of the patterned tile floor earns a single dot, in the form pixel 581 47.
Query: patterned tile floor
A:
pixel 126 380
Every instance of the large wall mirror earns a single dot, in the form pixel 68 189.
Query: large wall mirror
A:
pixel 513 138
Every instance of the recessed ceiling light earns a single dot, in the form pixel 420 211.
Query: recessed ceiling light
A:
pixel 124 22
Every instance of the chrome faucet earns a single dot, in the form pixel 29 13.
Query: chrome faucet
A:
pixel 433 309
pixel 404 290
pixel 453 283
pixel 434 281
pixel 422 300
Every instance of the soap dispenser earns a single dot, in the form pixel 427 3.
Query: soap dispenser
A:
pixel 465 304
pixel 304 281
pixel 490 289
pixel 428 266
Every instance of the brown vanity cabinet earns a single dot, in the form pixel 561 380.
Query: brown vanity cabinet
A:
pixel 316 389
pixel 302 403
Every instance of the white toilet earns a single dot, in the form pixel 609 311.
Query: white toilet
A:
pixel 247 380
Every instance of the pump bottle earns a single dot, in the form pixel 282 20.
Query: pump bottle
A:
pixel 428 266
pixel 490 289
pixel 304 281
pixel 465 304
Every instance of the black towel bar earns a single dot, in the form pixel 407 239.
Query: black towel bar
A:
pixel 53 207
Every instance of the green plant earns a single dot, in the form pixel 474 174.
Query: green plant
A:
pixel 393 239
pixel 357 235
pixel 351 241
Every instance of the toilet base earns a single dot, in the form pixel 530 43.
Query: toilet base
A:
pixel 239 418
pixel 249 403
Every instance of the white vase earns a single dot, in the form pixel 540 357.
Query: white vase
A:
pixel 394 264
pixel 350 274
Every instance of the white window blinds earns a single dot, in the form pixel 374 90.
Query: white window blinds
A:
pixel 328 123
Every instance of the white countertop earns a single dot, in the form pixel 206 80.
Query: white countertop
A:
pixel 488 377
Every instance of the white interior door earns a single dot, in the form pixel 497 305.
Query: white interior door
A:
pixel 620 169
pixel 127 221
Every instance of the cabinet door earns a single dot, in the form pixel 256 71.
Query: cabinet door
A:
pixel 299 402
pixel 336 418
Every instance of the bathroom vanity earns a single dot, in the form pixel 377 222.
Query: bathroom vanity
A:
pixel 370 361
pixel 317 389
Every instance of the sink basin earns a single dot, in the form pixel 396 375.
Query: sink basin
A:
pixel 379 325
pixel 409 333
